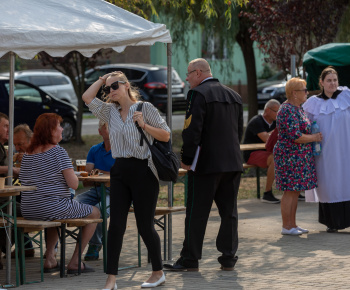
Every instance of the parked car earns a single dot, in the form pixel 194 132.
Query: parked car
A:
pixel 30 102
pixel 274 88
pixel 150 79
pixel 51 81
pixel 274 91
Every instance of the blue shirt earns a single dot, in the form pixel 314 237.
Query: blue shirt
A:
pixel 101 159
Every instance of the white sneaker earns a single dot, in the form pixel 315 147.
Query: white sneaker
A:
pixel 292 232
pixel 304 231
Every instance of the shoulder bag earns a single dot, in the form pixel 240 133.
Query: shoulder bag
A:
pixel 164 159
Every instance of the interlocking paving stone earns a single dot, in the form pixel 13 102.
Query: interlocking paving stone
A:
pixel 267 260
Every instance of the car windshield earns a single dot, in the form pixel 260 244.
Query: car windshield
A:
pixel 23 92
pixel 161 76
pixel 95 75
pixel 278 76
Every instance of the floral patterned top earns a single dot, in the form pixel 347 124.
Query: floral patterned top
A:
pixel 294 162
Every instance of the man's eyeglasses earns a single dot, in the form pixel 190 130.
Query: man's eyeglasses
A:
pixel 303 90
pixel 187 74
pixel 114 86
pixel 273 110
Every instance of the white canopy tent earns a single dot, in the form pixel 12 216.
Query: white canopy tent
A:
pixel 60 26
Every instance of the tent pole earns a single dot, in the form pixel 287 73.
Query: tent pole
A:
pixel 169 122
pixel 10 162
pixel 292 65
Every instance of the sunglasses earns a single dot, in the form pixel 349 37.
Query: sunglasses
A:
pixel 114 86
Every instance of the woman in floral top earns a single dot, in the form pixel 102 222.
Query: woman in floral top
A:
pixel 294 162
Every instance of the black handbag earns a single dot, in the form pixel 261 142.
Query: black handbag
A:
pixel 164 159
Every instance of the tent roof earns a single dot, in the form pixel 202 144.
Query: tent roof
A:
pixel 317 59
pixel 336 54
pixel 60 26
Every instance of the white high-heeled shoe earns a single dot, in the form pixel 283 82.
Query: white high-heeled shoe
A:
pixel 155 284
pixel 114 288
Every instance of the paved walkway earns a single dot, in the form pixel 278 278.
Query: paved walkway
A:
pixel 267 260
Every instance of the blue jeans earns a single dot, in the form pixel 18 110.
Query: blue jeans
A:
pixel 93 197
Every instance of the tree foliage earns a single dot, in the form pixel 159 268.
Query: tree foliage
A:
pixel 74 64
pixel 218 18
pixel 292 27
pixel 343 34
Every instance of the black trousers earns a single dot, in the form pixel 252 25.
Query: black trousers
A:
pixel 202 191
pixel 132 181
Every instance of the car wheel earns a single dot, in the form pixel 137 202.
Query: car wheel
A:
pixel 68 130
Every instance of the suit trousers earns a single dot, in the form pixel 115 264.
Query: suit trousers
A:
pixel 132 181
pixel 202 191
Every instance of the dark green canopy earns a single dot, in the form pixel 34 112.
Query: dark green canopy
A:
pixel 317 59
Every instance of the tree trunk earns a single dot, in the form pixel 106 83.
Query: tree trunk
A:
pixel 246 44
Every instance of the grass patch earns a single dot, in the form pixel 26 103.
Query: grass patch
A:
pixel 80 151
pixel 88 116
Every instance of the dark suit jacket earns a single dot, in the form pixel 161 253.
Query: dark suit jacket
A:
pixel 214 121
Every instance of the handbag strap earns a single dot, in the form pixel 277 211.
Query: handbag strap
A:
pixel 143 136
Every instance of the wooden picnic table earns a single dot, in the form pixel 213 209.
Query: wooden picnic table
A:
pixel 103 180
pixel 11 192
pixel 255 146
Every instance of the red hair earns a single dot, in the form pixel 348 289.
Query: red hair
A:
pixel 44 126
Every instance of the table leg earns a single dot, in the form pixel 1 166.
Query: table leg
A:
pixel 14 210
pixel 20 245
pixel 104 225
pixel 63 250
pixel 80 253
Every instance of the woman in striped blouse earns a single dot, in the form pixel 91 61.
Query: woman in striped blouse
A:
pixel 47 166
pixel 134 177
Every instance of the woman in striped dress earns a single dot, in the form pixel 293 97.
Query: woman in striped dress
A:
pixel 134 177
pixel 47 166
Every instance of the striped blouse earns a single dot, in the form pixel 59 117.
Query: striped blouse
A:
pixel 124 136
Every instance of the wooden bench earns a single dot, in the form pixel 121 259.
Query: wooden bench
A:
pixel 29 226
pixel 76 235
pixel 183 178
pixel 162 223
pixel 257 170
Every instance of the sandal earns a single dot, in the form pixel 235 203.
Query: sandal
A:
pixel 54 269
pixel 87 269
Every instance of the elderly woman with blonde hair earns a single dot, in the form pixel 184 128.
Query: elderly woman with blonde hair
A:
pixel 294 161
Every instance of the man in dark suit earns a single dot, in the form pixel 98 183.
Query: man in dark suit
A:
pixel 213 129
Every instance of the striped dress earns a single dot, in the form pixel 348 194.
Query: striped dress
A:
pixel 52 198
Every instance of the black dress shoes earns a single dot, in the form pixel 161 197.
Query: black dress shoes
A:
pixel 179 265
pixel 330 230
pixel 227 262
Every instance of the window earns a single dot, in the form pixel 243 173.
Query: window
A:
pixel 40 81
pixel 58 80
pixel 136 74
pixel 95 75
pixel 25 93
pixel 213 47
pixel 26 79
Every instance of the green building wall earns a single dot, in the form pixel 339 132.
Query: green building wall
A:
pixel 221 69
